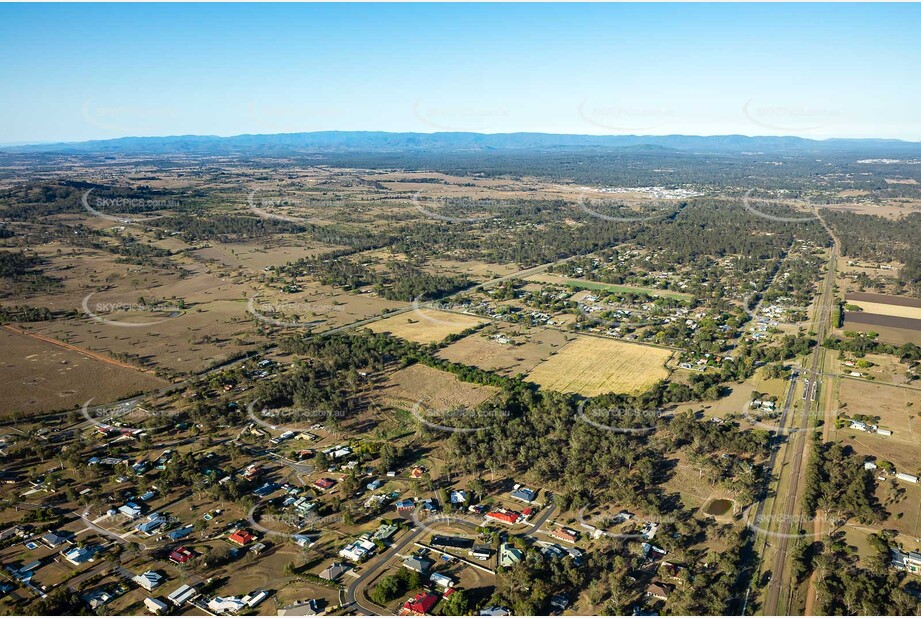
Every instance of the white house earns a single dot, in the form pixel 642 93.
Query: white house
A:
pixel 357 551
pixel 226 605
pixel 155 606
pixel 442 581
pixel 149 580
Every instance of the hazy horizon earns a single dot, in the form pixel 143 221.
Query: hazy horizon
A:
pixel 95 72
pixel 498 133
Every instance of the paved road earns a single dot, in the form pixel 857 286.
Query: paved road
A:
pixel 353 594
pixel 800 443
pixel 353 599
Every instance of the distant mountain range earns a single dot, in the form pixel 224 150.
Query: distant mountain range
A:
pixel 379 141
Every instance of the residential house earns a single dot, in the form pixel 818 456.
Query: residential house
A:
pixel 902 561
pixel 81 555
pixel 358 550
pixel 131 510
pixel 442 581
pixel 334 571
pixel 324 483
pixel 405 505
pixel 659 590
pixel 148 580
pixel 226 605
pixel 155 606
pixel 523 494
pixel 385 532
pixel 241 537
pixel 181 555
pixel 54 539
pixel 181 533
pixel 419 605
pixel 565 534
pixel 509 555
pixel 417 472
pixel 150 526
pixel 418 564
pixel 559 602
pixel 97 599
pixel 504 516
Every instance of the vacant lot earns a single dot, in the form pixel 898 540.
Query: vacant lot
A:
pixel 425 325
pixel 508 351
pixel 43 377
pixel 432 388
pixel 591 366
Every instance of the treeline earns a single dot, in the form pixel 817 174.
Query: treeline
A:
pixel 401 281
pixel 849 585
pixel 224 227
pixel 837 483
pixel 872 237
pixel 24 274
pixel 39 200
pixel 860 344
pixel 24 313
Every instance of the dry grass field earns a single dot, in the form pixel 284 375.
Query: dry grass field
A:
pixel 526 348
pixel 591 366
pixel 43 377
pixel 425 325
pixel 433 388
pixel 898 409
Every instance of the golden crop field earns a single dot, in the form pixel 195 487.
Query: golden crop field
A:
pixel 425 325
pixel 898 311
pixel 591 366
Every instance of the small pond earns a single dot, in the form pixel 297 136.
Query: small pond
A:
pixel 718 507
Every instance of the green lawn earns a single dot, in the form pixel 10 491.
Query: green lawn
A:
pixel 610 287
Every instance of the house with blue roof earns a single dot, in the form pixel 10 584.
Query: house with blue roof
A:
pixel 181 533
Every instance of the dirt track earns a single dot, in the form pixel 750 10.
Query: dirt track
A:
pixel 73 348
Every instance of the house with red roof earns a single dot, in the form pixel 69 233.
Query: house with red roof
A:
pixel 324 483
pixel 420 605
pixel 565 534
pixel 241 537
pixel 504 517
pixel 181 555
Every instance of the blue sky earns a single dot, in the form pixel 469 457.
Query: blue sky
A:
pixel 77 72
